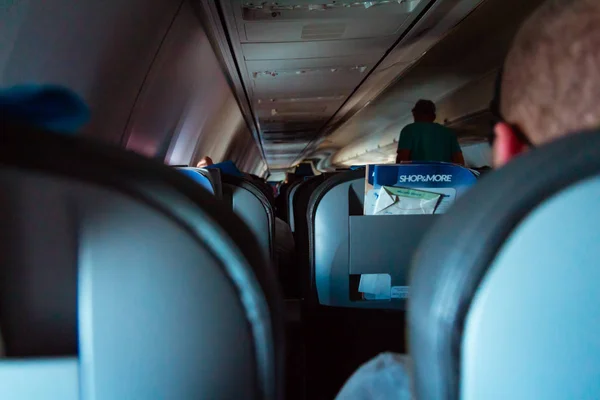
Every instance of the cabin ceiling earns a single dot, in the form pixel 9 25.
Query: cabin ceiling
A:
pixel 306 66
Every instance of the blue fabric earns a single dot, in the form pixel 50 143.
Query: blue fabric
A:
pixel 390 174
pixel 198 178
pixel 227 167
pixel 45 106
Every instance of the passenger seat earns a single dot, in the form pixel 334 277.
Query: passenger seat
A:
pixel 504 291
pixel 121 279
pixel 250 203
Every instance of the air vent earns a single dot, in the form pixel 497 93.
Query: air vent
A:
pixel 322 31
pixel 360 69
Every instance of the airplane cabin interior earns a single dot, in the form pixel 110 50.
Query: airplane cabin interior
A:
pixel 217 227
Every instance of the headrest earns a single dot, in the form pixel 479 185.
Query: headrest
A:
pixel 244 202
pixel 533 211
pixel 197 177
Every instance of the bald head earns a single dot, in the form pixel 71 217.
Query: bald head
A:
pixel 551 81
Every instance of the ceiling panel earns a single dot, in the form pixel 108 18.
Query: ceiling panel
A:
pixel 306 63
pixel 291 23
pixel 264 109
pixel 284 148
pixel 286 137
pixel 313 30
pixel 307 82
pixel 286 112
pixel 301 59
pixel 318 49
pixel 275 125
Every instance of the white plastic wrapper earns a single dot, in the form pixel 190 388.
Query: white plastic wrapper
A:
pixel 387 376
pixel 403 201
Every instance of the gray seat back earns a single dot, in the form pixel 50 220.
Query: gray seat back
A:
pixel 503 291
pixel 298 218
pixel 290 202
pixel 329 208
pixel 254 208
pixel 345 244
pixel 115 271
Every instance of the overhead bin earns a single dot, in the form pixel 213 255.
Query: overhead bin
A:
pixel 362 261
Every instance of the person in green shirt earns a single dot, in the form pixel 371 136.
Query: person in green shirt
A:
pixel 424 140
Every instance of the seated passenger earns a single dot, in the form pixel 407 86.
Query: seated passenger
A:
pixel 550 87
pixel 425 140
pixel 204 162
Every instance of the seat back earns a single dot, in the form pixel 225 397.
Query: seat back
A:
pixel 115 274
pixel 266 190
pixel 253 207
pixel 327 214
pixel 362 261
pixel 290 202
pixel 299 219
pixel 503 290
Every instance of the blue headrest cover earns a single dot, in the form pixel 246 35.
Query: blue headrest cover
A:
pixel 46 106
pixel 198 178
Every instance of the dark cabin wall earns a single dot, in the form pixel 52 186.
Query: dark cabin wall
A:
pixel 145 67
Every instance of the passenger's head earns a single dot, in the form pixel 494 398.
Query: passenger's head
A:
pixel 204 162
pixel 424 111
pixel 551 79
